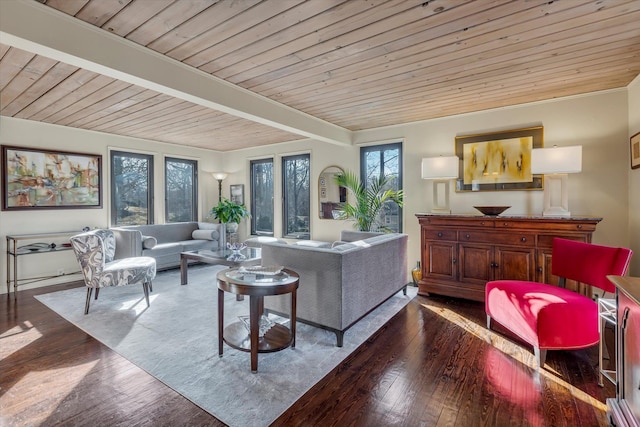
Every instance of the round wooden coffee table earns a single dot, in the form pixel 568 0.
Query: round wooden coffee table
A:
pixel 256 286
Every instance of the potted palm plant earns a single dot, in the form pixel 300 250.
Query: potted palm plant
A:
pixel 369 201
pixel 229 213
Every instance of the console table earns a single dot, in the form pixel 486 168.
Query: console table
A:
pixel 461 253
pixel 624 409
pixel 13 251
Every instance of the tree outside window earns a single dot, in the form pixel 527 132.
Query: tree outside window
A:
pixel 131 188
pixel 262 197
pixel 181 200
pixel 384 161
pixel 297 196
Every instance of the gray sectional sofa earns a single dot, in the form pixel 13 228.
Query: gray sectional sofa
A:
pixel 164 242
pixel 341 284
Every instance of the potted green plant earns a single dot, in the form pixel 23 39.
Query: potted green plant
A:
pixel 229 213
pixel 369 201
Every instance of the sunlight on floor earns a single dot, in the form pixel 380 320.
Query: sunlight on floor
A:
pixel 524 356
pixel 137 305
pixel 16 338
pixel 24 393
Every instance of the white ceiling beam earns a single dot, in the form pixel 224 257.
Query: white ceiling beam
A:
pixel 31 26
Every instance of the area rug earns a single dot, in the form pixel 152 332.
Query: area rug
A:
pixel 175 340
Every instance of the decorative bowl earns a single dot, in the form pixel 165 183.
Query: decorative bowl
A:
pixel 492 210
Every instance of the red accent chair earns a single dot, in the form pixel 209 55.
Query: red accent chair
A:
pixel 550 317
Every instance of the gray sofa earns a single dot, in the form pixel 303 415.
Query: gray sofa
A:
pixel 164 242
pixel 341 284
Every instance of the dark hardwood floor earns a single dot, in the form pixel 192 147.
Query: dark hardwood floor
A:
pixel 434 364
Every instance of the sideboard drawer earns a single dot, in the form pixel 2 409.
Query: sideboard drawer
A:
pixel 440 235
pixel 546 240
pixel 518 239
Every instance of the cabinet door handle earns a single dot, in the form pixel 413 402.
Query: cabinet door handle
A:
pixel 468 236
pixel 524 239
pixel 539 269
pixel 455 260
pixel 506 224
pixel 579 226
pixel 482 223
pixel 440 234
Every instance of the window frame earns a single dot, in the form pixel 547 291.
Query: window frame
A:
pixel 150 184
pixel 285 211
pixel 252 191
pixel 363 173
pixel 194 189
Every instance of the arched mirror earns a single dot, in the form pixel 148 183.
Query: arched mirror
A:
pixel 330 195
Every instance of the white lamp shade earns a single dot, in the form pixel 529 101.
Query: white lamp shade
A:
pixel 556 160
pixel 219 175
pixel 440 167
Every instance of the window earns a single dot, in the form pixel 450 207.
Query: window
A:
pixel 262 197
pixel 296 195
pixel 131 188
pixel 181 190
pixel 380 161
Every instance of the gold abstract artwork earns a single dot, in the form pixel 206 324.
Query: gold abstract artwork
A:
pixel 498 161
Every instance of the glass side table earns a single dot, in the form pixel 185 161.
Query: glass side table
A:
pixel 274 337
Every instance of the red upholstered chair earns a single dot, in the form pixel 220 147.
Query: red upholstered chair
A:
pixel 550 317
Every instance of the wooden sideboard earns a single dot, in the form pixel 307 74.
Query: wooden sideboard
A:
pixel 461 253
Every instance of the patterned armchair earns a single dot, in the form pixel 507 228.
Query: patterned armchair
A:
pixel 95 252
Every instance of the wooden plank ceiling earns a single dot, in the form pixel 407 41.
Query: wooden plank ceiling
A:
pixel 354 63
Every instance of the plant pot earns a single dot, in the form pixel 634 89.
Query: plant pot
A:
pixel 232 227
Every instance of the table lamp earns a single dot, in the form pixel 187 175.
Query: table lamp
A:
pixel 441 170
pixel 556 163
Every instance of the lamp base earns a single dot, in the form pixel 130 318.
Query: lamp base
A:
pixel 441 211
pixel 556 211
pixel 441 197
pixel 556 196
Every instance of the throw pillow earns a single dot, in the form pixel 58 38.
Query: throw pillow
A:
pixel 344 248
pixel 149 242
pixel 205 235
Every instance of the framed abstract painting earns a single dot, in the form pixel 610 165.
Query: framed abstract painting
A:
pixel 47 179
pixel 498 161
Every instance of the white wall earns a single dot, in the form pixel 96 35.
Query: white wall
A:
pixel 597 121
pixel 600 122
pixel 634 178
pixel 24 133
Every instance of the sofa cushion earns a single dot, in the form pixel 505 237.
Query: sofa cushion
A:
pixel 205 235
pixel 352 235
pixel 313 243
pixel 194 245
pixel 163 249
pixel 149 242
pixel 256 242
pixel 345 247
